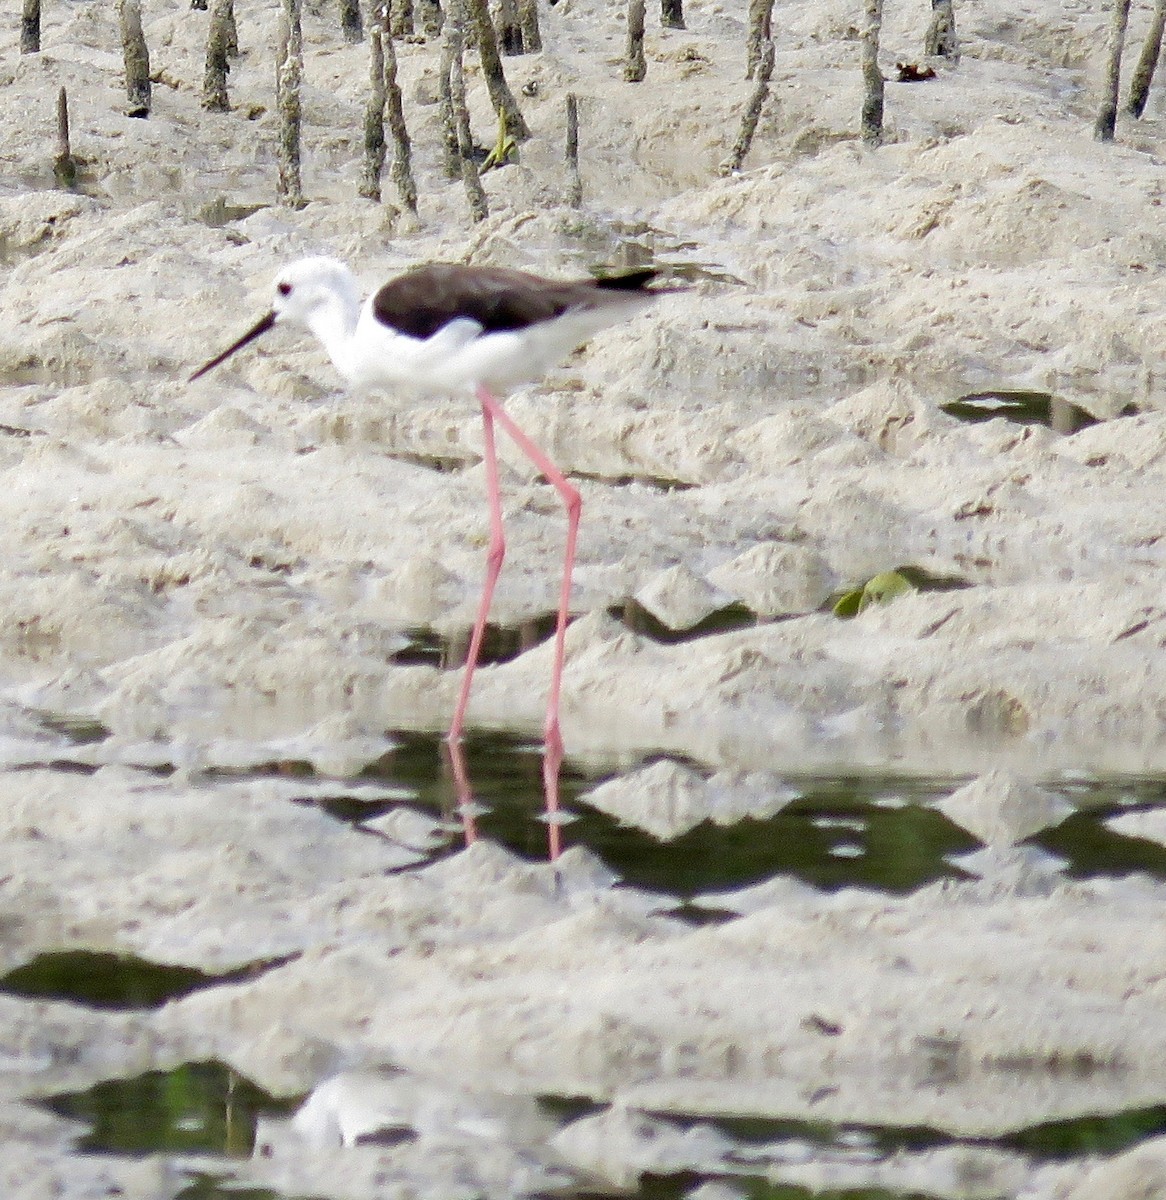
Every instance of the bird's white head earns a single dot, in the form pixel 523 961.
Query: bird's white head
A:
pixel 313 288
pixel 319 294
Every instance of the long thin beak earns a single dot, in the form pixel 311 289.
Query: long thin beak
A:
pixel 261 326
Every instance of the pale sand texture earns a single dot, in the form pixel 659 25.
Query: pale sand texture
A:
pixel 222 573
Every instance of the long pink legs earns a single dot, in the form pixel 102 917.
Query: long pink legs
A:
pixel 493 412
pixel 494 559
pixel 465 795
pixel 552 761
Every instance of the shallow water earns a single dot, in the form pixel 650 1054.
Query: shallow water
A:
pixel 852 831
pixel 114 981
pixel 208 1109
pixel 1023 408
pixel 224 1187
pixel 869 831
pixel 196 1108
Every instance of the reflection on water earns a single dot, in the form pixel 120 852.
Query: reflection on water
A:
pixel 1092 850
pixel 639 620
pixel 870 831
pixel 500 643
pixel 1092 1133
pixel 761 1189
pixel 224 1187
pixel 839 833
pixel 205 1108
pixel 197 1108
pixel 860 830
pixel 114 981
pixel 1022 408
pixel 894 850
pixel 503 643
pixel 80 730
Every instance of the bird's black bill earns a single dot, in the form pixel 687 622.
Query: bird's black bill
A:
pixel 261 326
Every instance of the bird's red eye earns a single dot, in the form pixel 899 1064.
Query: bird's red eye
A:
pixel 284 289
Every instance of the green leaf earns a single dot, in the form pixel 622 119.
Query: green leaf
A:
pixel 847 605
pixel 882 589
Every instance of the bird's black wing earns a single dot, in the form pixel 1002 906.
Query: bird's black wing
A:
pixel 426 299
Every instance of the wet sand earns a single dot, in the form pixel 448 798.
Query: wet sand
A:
pixel 204 580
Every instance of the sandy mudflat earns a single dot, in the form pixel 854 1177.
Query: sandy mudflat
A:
pixel 224 575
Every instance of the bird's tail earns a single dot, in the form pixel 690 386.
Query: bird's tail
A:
pixel 627 281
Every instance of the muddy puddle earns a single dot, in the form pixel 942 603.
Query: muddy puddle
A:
pixel 866 833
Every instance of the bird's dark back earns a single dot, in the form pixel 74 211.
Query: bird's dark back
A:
pixel 423 300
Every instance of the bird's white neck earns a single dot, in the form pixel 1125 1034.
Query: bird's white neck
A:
pixel 333 321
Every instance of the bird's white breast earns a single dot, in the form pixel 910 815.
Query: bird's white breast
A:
pixel 460 355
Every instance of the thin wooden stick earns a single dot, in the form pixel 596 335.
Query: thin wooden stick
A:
pixel 872 78
pixel 575 184
pixel 374 119
pixel 289 73
pixel 507 27
pixel 232 32
pixel 736 157
pixel 402 169
pixel 137 58
pixel 940 40
pixel 451 43
pixel 402 21
pixel 672 14
pixel 30 27
pixel 64 165
pixel 214 80
pixel 532 38
pixel 760 32
pixel 475 194
pixel 351 28
pixel 1147 61
pixel 501 96
pixel 1106 123
pixel 635 66
pixel 432 18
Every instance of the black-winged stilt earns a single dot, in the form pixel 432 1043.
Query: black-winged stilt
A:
pixel 444 328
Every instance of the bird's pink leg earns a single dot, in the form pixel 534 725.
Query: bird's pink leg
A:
pixel 552 761
pixel 494 558
pixel 461 787
pixel 574 505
